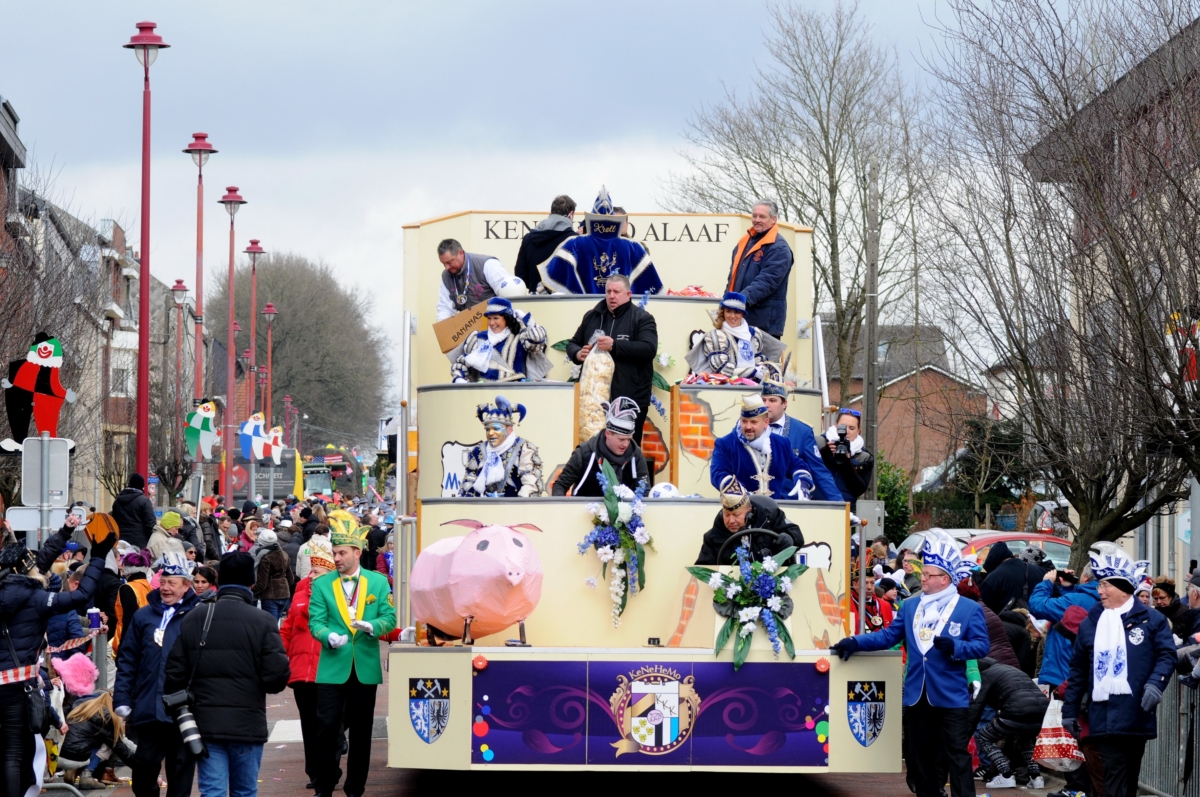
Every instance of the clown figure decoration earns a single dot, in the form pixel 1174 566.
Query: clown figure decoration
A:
pixel 734 348
pixel 504 465
pixel 32 390
pixel 201 430
pixel 511 349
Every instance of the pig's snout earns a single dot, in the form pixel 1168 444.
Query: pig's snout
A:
pixel 514 572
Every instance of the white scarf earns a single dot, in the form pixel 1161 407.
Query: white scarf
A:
pixel 933 612
pixel 856 445
pixel 1110 659
pixel 741 344
pixel 481 358
pixel 760 454
pixel 492 469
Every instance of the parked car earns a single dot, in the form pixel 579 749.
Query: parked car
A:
pixel 916 541
pixel 980 542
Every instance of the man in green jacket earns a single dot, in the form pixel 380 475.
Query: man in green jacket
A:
pixel 351 609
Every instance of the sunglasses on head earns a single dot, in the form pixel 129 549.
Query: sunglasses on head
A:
pixel 847 411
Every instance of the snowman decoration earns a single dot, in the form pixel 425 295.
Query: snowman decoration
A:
pixel 201 430
pixel 33 390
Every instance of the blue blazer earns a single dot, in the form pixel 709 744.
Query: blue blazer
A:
pixel 730 456
pixel 943 680
pixel 1151 652
pixel 804 447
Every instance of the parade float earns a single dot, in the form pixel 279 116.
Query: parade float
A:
pixel 577 633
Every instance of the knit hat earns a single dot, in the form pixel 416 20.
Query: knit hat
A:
pixel 753 406
pixel 136 481
pixel 320 553
pixel 306 513
pixel 733 494
pixel 267 537
pixel 498 306
pixel 621 416
pixel 78 674
pixel 171 520
pixel 1145 585
pixel 734 301
pixel 886 583
pixel 236 568
pixel 137 562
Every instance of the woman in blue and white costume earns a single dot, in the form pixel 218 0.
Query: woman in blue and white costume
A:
pixel 734 348
pixel 511 349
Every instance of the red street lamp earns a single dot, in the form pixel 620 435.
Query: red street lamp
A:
pixel 145 45
pixel 287 422
pixel 269 312
pixel 200 150
pixel 254 250
pixel 179 291
pixel 232 202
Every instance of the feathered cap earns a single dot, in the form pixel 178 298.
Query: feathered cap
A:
pixel 772 381
pixel 174 564
pixel 734 301
pixel 753 406
pixel 941 551
pixel 498 305
pixel 501 410
pixel 1110 563
pixel 733 494
pixel 621 416
pixel 344 530
pixel 602 222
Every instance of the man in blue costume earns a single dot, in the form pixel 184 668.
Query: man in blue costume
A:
pixel 503 465
pixel 584 263
pixel 798 433
pixel 756 456
pixel 941 632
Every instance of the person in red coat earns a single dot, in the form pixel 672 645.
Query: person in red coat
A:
pixel 304 652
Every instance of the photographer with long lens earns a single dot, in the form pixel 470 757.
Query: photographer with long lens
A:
pixel 25 608
pixel 847 458
pixel 141 669
pixel 228 658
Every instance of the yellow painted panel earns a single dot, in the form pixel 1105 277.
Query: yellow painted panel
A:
pixel 405 748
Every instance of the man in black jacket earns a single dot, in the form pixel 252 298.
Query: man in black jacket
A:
pixel 243 661
pixel 1009 580
pixel 629 334
pixel 1020 707
pixel 134 512
pixel 614 445
pixel 741 511
pixel 539 244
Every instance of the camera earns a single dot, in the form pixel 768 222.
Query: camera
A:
pixel 176 703
pixel 841 449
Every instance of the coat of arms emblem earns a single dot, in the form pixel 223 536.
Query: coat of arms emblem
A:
pixel 655 710
pixel 429 707
pixel 865 710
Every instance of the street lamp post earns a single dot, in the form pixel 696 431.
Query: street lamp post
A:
pixel 269 312
pixel 200 150
pixel 254 250
pixel 145 45
pixel 287 421
pixel 232 202
pixel 179 291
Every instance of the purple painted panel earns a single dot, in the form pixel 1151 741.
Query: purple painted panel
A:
pixel 762 715
pixel 529 712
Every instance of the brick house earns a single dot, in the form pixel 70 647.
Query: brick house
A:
pixel 913 363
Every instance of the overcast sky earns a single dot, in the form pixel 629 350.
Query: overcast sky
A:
pixel 342 121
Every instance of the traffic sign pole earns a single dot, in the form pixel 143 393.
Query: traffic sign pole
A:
pixel 44 496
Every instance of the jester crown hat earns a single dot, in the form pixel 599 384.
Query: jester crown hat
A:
pixel 620 416
pixel 772 381
pixel 753 406
pixel 1109 561
pixel 172 563
pixel 733 494
pixel 941 551
pixel 344 529
pixel 501 410
pixel 602 213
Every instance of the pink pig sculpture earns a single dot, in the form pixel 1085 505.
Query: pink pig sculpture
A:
pixel 492 576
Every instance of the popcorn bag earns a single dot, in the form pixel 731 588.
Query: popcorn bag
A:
pixel 1056 749
pixel 595 382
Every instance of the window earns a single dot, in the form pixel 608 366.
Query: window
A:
pixel 120 382
pixel 1058 553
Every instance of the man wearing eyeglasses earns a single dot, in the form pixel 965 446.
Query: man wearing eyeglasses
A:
pixel 849 462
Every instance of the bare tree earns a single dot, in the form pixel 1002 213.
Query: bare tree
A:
pixel 1023 281
pixel 829 101
pixel 327 355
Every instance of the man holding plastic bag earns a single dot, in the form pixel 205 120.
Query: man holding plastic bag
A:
pixel 1124 655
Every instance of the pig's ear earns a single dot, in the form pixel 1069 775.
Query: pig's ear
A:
pixel 470 524
pixel 528 526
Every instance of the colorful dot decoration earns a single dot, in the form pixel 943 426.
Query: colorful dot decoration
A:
pixel 480 728
pixel 487 710
pixel 487 752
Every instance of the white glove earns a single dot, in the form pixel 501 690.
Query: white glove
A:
pixel 122 711
pixel 798 493
pixel 337 640
pixel 363 625
pixel 70 396
pixel 975 687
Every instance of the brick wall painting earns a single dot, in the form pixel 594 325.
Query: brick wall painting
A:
pixel 695 426
pixel 704 416
pixel 654 447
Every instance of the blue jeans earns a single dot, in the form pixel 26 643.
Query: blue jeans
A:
pixel 275 606
pixel 230 768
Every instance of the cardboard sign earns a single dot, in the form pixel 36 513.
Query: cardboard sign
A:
pixel 454 330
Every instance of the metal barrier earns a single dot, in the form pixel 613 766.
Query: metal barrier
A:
pixel 1163 766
